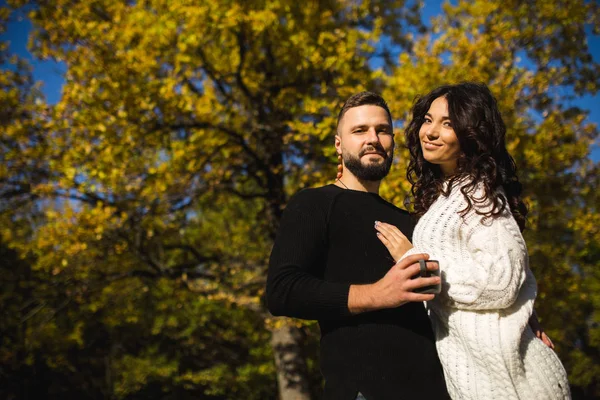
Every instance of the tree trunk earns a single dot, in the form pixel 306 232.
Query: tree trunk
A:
pixel 291 368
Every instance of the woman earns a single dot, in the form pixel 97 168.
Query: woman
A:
pixel 468 199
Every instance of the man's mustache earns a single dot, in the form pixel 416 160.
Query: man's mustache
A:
pixel 373 149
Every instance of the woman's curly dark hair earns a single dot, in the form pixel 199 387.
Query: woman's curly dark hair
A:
pixel 484 159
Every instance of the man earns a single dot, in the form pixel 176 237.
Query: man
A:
pixel 328 264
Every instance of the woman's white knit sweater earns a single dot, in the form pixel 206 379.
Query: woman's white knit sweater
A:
pixel 481 317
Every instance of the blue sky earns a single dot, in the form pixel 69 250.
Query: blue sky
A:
pixel 51 73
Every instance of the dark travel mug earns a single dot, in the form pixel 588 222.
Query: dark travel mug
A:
pixel 425 273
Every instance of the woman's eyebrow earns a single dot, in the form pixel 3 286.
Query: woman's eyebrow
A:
pixel 445 117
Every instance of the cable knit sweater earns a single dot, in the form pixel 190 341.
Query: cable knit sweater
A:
pixel 481 317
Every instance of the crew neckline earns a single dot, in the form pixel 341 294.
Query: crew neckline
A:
pixel 353 190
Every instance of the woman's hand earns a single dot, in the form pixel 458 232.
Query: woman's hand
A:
pixel 395 241
pixel 536 327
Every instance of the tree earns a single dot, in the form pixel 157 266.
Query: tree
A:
pixel 168 107
pixel 143 205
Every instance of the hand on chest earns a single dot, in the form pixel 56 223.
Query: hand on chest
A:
pixel 353 239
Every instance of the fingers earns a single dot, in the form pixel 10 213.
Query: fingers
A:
pixel 398 286
pixel 547 340
pixel 390 245
pixel 412 259
pixel 384 235
pixel 431 266
pixel 415 269
pixel 384 240
pixel 414 297
pixel 536 327
pixel 422 282
pixel 390 231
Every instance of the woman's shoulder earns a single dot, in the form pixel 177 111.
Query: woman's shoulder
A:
pixel 481 195
pixel 480 206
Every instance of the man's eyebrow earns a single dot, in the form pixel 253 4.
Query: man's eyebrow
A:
pixel 361 126
pixel 386 126
pixel 378 126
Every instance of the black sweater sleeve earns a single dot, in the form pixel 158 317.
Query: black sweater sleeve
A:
pixel 294 286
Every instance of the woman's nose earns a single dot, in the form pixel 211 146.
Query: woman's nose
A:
pixel 433 131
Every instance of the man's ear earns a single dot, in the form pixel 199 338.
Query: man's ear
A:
pixel 338 144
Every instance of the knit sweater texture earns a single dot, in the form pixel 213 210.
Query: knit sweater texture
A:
pixel 480 319
pixel 325 243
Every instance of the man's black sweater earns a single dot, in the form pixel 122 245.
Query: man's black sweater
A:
pixel 326 242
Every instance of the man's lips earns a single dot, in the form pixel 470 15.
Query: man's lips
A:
pixel 370 153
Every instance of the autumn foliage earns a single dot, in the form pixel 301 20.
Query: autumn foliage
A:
pixel 137 213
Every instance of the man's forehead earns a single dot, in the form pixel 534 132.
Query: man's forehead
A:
pixel 368 114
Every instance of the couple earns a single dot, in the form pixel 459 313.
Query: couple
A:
pixel 345 257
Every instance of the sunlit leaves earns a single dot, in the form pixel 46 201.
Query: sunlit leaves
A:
pixel 145 201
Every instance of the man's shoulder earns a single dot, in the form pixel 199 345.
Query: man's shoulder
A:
pixel 395 209
pixel 399 217
pixel 312 201
pixel 317 194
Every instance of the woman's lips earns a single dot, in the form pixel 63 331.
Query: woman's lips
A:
pixel 431 146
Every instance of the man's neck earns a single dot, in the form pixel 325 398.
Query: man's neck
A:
pixel 349 181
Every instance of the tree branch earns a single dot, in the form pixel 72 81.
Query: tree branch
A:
pixel 239 139
pixel 199 257
pixel 238 74
pixel 212 74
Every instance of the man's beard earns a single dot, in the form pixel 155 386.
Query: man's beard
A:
pixel 371 171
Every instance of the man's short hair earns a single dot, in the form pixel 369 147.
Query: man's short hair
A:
pixel 364 99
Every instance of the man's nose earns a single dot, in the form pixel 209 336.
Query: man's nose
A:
pixel 372 136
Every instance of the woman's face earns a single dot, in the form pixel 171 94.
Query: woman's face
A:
pixel 438 141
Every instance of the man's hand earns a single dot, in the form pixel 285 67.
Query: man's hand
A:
pixel 395 288
pixel 395 241
pixel 536 327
